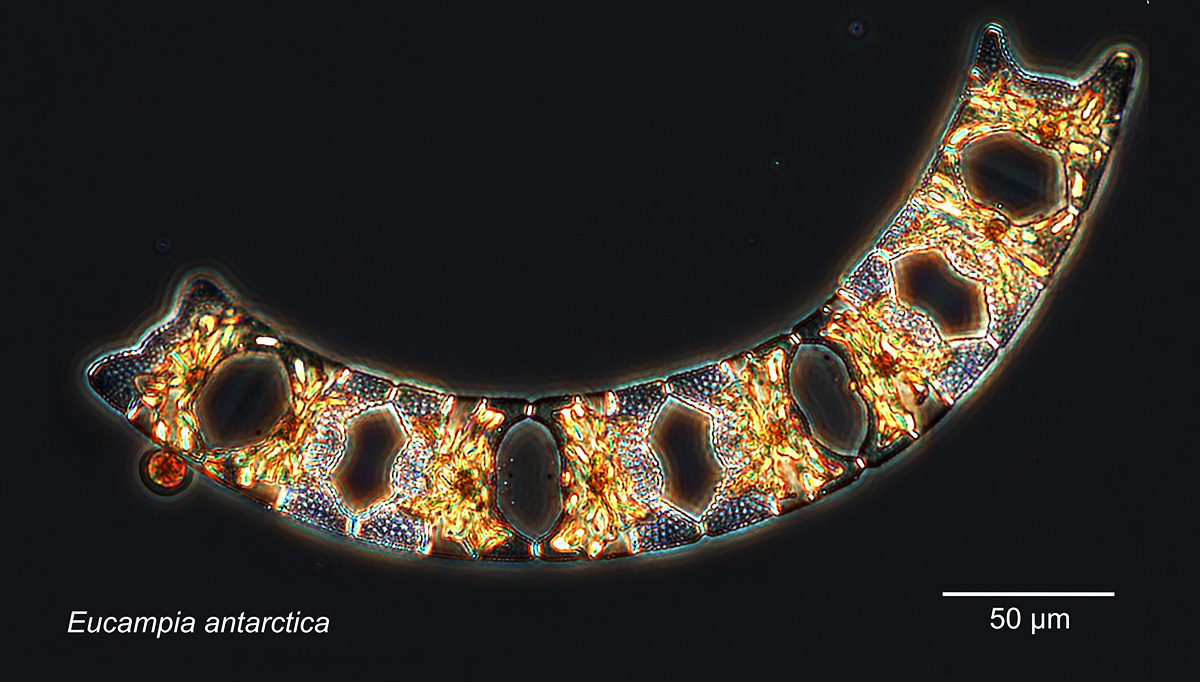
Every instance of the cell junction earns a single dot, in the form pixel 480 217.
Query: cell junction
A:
pixel 443 489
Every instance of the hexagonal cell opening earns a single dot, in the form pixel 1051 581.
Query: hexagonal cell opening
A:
pixel 1009 172
pixel 820 385
pixel 373 439
pixel 681 438
pixel 242 400
pixel 925 280
pixel 527 473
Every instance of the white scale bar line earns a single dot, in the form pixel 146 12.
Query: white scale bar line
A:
pixel 1029 594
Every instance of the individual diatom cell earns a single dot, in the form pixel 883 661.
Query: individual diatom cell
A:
pixel 278 457
pixel 894 352
pixel 164 473
pixel 455 492
pixel 759 437
pixel 610 479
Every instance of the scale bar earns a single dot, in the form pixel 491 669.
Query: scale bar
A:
pixel 1029 594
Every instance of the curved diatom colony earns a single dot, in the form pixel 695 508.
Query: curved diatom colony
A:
pixel 583 476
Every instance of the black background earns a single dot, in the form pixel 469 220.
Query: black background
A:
pixel 554 199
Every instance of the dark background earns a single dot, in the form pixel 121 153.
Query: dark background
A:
pixel 553 199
